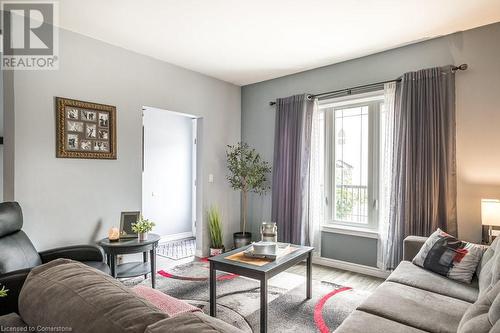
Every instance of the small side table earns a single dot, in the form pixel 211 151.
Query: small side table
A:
pixel 129 246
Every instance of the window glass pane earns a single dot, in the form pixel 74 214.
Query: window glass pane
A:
pixel 351 165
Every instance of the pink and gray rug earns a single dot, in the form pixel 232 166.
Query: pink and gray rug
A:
pixel 238 299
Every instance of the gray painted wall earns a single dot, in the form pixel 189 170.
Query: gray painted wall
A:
pixel 477 101
pixel 68 201
pixel 359 250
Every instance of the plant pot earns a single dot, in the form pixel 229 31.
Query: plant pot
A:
pixel 216 252
pixel 242 239
pixel 143 236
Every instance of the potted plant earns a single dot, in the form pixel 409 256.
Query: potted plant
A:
pixel 3 292
pixel 247 173
pixel 215 229
pixel 142 227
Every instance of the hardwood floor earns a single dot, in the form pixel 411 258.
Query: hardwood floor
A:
pixel 320 273
pixel 338 276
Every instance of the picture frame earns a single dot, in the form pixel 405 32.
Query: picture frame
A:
pixel 126 221
pixel 85 129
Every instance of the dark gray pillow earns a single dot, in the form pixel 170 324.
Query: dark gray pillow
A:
pixel 66 293
pixel 483 316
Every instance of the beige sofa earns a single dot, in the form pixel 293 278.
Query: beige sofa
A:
pixel 415 300
pixel 66 295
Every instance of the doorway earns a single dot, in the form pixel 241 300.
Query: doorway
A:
pixel 169 179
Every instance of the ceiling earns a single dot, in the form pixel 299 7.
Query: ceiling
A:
pixel 244 42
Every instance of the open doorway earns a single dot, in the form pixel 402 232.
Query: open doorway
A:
pixel 169 180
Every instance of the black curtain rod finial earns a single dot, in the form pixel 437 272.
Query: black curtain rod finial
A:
pixel 461 67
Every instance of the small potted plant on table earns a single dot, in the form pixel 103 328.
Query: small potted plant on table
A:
pixel 215 229
pixel 3 292
pixel 247 173
pixel 142 227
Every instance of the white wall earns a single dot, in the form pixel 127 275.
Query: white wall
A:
pixel 68 201
pixel 477 107
pixel 167 178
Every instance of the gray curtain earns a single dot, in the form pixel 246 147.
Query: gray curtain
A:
pixel 292 145
pixel 423 195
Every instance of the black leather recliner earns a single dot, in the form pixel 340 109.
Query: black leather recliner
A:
pixel 18 255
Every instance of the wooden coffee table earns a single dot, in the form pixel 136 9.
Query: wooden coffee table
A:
pixel 261 273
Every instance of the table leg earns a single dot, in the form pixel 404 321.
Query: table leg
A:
pixel 112 265
pixel 309 276
pixel 145 258
pixel 263 305
pixel 153 266
pixel 213 295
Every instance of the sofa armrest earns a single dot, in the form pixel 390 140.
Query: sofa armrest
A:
pixel 77 253
pixel 13 282
pixel 411 246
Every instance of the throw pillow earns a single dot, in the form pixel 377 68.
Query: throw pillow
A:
pixel 448 256
pixel 168 304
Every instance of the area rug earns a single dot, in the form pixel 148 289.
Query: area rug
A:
pixel 238 299
pixel 178 249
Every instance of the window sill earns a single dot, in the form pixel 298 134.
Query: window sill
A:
pixel 348 230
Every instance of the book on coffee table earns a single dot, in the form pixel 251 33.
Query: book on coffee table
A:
pixel 267 250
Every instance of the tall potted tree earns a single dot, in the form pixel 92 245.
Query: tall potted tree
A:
pixel 247 173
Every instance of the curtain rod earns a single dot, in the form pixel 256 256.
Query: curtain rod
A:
pixel 348 91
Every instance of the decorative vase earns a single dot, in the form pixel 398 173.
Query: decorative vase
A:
pixel 142 236
pixel 242 239
pixel 269 232
pixel 216 252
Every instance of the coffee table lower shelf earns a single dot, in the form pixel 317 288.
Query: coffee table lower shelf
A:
pixel 132 269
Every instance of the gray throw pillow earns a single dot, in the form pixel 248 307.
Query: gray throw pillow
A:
pixel 448 256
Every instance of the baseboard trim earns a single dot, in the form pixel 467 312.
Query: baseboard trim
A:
pixel 174 237
pixel 352 267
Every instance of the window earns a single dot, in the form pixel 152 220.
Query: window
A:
pixel 352 159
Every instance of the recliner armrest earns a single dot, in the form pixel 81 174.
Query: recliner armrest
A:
pixel 78 253
pixel 13 281
pixel 411 246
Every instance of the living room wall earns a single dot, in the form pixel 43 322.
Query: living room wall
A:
pixel 68 201
pixel 477 107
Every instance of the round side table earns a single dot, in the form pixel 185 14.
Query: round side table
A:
pixel 129 246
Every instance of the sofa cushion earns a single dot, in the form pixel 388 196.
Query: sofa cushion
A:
pixel 414 276
pixel 489 267
pixel 75 295
pixel 11 218
pixel 450 257
pixel 415 307
pixel 483 316
pixel 13 323
pixel 190 323
pixel 359 322
pixel 17 252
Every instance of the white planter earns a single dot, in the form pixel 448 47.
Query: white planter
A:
pixel 216 252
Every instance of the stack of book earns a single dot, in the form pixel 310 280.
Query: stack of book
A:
pixel 267 250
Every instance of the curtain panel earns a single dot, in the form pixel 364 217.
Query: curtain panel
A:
pixel 424 186
pixel 290 189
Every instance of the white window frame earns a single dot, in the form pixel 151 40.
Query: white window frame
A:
pixel 373 100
